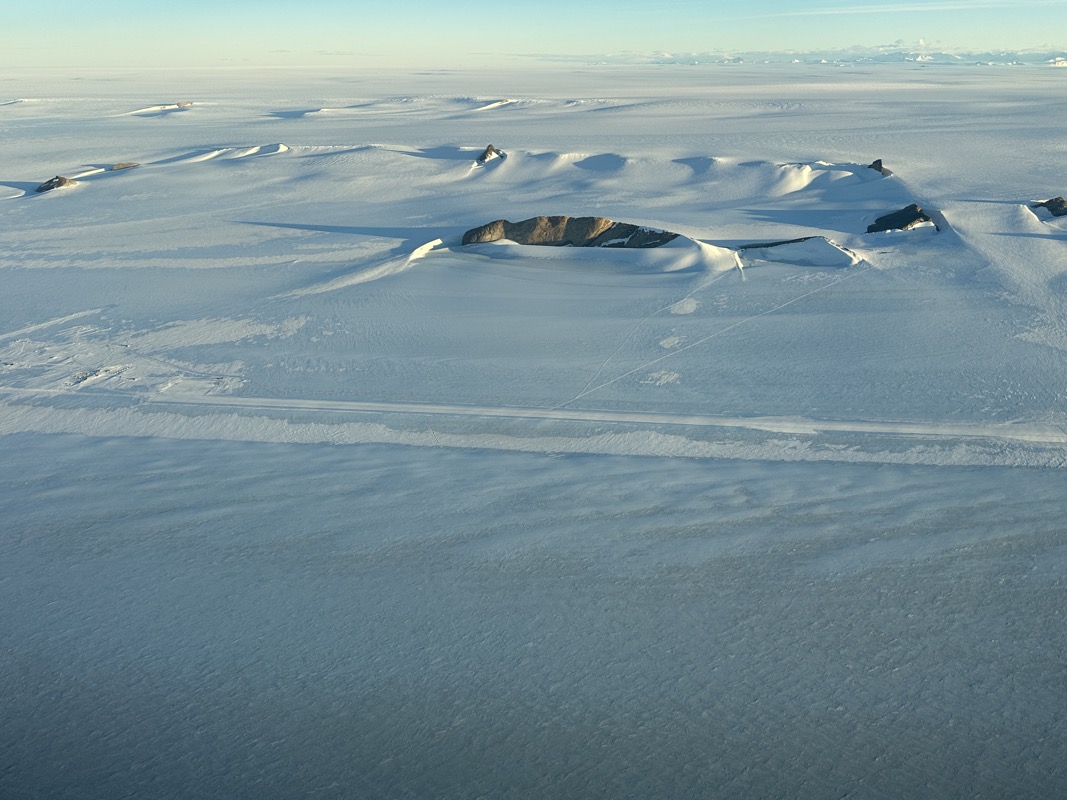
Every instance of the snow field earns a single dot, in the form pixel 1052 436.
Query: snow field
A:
pixel 302 497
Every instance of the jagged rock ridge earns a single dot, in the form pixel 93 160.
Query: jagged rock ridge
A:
pixel 563 231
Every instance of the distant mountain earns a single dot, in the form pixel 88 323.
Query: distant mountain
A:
pixel 853 55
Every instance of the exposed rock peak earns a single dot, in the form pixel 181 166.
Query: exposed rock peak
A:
pixel 55 183
pixel 877 166
pixel 491 152
pixel 1057 205
pixel 902 220
pixel 562 231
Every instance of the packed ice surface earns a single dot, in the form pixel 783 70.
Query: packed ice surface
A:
pixel 301 497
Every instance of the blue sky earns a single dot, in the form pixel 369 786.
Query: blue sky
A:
pixel 455 32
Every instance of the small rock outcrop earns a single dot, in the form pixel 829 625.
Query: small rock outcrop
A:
pixel 877 166
pixel 905 219
pixel 124 165
pixel 55 183
pixel 491 152
pixel 569 232
pixel 1057 205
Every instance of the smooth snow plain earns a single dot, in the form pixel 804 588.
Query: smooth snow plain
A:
pixel 302 498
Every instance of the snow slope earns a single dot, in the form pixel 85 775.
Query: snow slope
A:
pixel 302 496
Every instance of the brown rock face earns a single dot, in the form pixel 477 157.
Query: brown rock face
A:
pixel 569 231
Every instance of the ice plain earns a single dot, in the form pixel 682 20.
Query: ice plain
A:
pixel 301 497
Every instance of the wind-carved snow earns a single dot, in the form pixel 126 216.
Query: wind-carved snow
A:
pixel 228 153
pixel 662 378
pixel 161 110
pixel 139 361
pixel 385 270
pixel 687 305
pixel 193 332
pixel 812 251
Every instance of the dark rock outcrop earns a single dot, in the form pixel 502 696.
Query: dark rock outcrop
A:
pixel 55 183
pixel 124 165
pixel 877 167
pixel 569 231
pixel 778 243
pixel 902 220
pixel 490 152
pixel 1057 205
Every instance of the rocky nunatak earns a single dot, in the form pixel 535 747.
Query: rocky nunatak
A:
pixel 1057 205
pixel 877 166
pixel 491 152
pixel 55 183
pixel 569 231
pixel 905 219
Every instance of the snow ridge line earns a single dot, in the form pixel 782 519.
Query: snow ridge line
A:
pixel 1022 432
